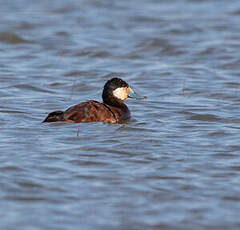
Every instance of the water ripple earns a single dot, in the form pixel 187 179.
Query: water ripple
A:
pixel 12 38
pixel 174 165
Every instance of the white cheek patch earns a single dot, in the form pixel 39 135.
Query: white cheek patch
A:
pixel 120 93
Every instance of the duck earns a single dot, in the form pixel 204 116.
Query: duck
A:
pixel 111 110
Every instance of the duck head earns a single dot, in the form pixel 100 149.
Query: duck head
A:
pixel 116 91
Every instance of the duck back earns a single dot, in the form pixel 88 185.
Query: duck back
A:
pixel 90 111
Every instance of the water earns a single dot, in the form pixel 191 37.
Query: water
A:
pixel 175 165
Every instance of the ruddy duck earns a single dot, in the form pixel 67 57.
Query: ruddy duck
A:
pixel 112 110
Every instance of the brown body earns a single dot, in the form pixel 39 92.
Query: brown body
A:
pixel 112 110
pixel 91 111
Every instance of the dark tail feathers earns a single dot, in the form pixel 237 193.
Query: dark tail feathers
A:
pixel 54 116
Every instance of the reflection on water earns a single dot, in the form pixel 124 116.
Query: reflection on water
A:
pixel 175 165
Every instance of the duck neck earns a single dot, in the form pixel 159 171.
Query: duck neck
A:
pixel 113 101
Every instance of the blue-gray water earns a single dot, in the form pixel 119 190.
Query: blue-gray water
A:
pixel 175 165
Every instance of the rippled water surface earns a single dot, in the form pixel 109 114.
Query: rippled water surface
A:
pixel 175 165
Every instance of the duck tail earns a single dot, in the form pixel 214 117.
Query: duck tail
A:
pixel 54 116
